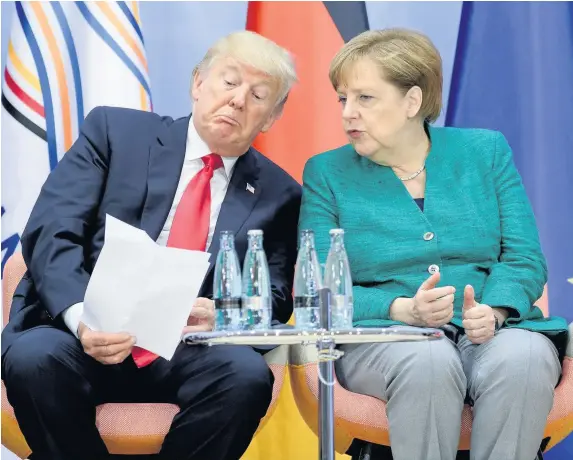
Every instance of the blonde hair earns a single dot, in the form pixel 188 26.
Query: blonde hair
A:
pixel 406 59
pixel 256 51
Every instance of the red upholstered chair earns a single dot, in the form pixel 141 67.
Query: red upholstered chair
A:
pixel 126 429
pixel 364 417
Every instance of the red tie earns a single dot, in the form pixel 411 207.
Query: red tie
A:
pixel 190 226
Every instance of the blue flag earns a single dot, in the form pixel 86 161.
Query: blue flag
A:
pixel 513 72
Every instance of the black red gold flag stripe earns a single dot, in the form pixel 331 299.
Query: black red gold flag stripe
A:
pixel 313 32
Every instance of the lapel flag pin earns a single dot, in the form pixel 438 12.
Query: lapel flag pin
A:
pixel 250 188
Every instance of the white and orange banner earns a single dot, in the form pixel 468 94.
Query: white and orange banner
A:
pixel 64 58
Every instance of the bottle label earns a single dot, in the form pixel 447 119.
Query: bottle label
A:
pixel 233 302
pixel 306 302
pixel 340 301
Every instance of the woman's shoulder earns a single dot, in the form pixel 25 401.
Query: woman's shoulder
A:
pixel 471 137
pixel 469 143
pixel 341 158
pixel 344 153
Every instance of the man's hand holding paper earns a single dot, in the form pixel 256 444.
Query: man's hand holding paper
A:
pixel 172 186
pixel 107 348
pixel 144 290
pixel 202 317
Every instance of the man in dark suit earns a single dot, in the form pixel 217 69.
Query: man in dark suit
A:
pixel 182 181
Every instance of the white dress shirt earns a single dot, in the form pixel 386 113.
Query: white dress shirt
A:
pixel 195 149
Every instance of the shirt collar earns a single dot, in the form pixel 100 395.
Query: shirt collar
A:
pixel 196 148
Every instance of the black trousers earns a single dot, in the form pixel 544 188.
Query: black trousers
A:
pixel 222 391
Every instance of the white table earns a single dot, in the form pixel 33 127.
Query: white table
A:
pixel 326 341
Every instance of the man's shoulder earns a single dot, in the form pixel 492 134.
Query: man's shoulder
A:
pixel 125 117
pixel 274 172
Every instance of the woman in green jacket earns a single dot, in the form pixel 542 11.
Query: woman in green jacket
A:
pixel 439 233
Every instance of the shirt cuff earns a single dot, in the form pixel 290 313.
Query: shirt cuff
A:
pixel 72 317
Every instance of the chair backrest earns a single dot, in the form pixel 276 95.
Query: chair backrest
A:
pixel 13 271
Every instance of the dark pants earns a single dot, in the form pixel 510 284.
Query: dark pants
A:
pixel 222 391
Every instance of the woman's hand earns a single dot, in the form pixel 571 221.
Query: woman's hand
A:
pixel 430 307
pixel 479 318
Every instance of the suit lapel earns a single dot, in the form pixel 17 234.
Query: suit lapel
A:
pixel 165 162
pixel 242 194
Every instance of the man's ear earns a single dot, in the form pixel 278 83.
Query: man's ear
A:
pixel 274 116
pixel 196 85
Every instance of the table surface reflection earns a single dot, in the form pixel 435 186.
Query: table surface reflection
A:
pixel 294 336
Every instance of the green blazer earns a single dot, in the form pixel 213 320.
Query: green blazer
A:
pixel 477 227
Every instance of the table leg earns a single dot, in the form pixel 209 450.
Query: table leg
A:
pixel 325 381
pixel 326 410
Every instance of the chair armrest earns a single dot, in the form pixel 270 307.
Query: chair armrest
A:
pixel 277 356
pixel 13 272
pixel 301 355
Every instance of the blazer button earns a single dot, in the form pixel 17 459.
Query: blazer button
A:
pixel 433 269
pixel 428 236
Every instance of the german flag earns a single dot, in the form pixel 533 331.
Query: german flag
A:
pixel 312 123
pixel 313 32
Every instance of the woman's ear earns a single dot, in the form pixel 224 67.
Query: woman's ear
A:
pixel 414 99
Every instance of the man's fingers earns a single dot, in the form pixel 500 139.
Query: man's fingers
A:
pixel 107 348
pixel 205 327
pixel 112 350
pixel 201 312
pixel 204 302
pixel 114 359
pixel 431 282
pixel 102 339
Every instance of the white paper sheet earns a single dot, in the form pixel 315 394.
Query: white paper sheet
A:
pixel 142 288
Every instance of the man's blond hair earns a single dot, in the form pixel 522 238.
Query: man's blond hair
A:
pixel 258 52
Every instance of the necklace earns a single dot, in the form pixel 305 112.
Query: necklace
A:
pixel 416 174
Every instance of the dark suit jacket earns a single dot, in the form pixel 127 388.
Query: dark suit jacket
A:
pixel 127 163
